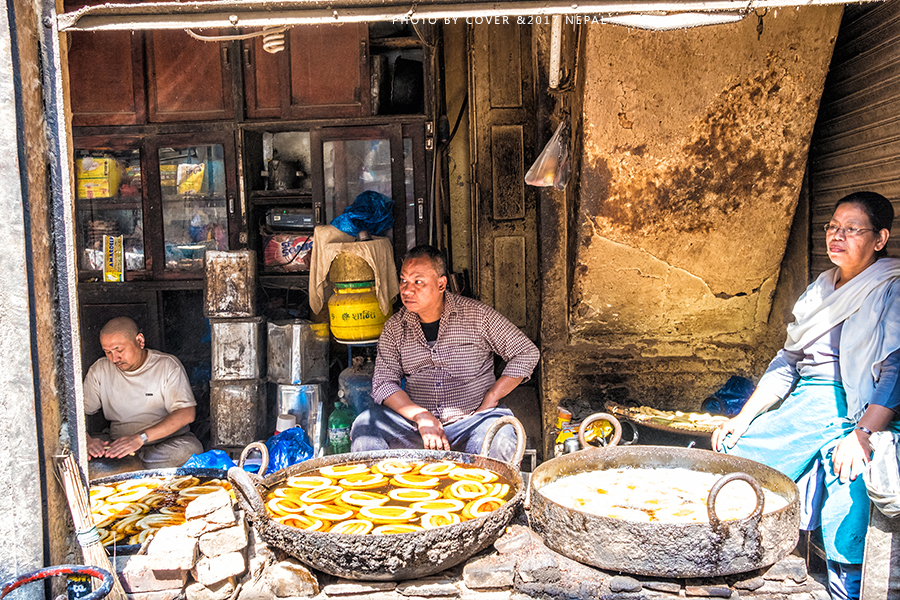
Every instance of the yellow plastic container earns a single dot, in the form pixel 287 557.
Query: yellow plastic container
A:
pixel 354 312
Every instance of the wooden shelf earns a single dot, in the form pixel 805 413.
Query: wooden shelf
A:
pixel 108 204
pixel 398 43
pixel 267 197
pixel 285 280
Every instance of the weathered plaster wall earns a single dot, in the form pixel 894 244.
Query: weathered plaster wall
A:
pixel 694 150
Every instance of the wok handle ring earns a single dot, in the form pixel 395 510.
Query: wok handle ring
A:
pixel 617 428
pixel 262 450
pixel 247 495
pixel 520 438
pixel 725 480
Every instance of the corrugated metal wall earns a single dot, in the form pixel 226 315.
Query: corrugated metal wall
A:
pixel 856 142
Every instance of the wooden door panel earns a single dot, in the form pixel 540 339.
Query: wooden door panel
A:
pixel 262 87
pixel 505 218
pixel 106 78
pixel 328 74
pixel 187 80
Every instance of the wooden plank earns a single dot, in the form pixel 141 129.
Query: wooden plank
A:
pixel 508 158
pixel 510 298
pixel 505 68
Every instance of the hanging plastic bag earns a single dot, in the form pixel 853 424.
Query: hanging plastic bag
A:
pixel 882 478
pixel 552 166
pixel 213 459
pixel 730 398
pixel 370 211
pixel 287 448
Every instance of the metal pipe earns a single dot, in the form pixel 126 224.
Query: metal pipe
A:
pixel 266 13
pixel 555 50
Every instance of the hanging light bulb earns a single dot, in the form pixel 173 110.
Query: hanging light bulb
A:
pixel 273 39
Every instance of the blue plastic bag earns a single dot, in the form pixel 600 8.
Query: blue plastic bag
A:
pixel 730 398
pixel 371 211
pixel 287 448
pixel 214 459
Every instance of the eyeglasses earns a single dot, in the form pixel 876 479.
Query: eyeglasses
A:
pixel 847 231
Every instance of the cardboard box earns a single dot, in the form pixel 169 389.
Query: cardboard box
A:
pixel 97 177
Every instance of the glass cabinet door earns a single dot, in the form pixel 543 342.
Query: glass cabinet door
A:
pixel 109 203
pixel 194 204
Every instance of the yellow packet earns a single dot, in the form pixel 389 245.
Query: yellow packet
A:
pixel 113 258
pixel 190 178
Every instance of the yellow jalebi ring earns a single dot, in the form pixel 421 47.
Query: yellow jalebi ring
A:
pixel 467 490
pixel 199 490
pixel 308 482
pixel 440 505
pixel 285 506
pixel 432 520
pixel 321 494
pixel 327 512
pixel 302 522
pixel 127 525
pixel 341 471
pixel 482 506
pixel 363 481
pixel 132 494
pixel 392 467
pixel 405 480
pixel 184 481
pixel 362 498
pixel 479 475
pixel 353 527
pixel 139 538
pixel 156 498
pixel 289 492
pixel 172 510
pixel 439 468
pixel 497 490
pixel 115 509
pixel 413 495
pixel 387 514
pixel 149 482
pixel 395 528
pixel 108 537
pixel 101 491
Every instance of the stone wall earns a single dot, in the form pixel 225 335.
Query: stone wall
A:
pixel 692 156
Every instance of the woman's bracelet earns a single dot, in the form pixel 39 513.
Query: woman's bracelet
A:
pixel 864 430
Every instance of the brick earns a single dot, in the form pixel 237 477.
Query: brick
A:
pixel 172 548
pixel 160 595
pixel 206 504
pixel 219 591
pixel 230 539
pixel 494 571
pixel 137 576
pixel 212 570
pixel 429 587
pixel 291 579
pixel 346 587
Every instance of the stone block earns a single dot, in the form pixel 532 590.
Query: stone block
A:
pixel 707 591
pixel 172 548
pixel 212 570
pixel 494 571
pixel 659 585
pixel 230 539
pixel 221 517
pixel 219 591
pixel 789 567
pixel 346 587
pixel 136 575
pixel 429 587
pixel 538 566
pixel 783 587
pixel 160 595
pixel 516 538
pixel 290 578
pixel 206 504
pixel 620 583
pixel 480 595
pixel 255 590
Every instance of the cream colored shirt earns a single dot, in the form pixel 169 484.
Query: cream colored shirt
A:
pixel 135 400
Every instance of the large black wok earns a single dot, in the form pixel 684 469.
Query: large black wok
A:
pixel 668 549
pixel 202 474
pixel 384 557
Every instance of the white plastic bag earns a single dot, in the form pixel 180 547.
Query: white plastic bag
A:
pixel 552 165
pixel 882 477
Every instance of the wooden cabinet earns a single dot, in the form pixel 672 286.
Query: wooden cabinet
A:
pixel 106 83
pixel 323 73
pixel 188 79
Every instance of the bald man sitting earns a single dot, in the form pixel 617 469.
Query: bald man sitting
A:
pixel 146 397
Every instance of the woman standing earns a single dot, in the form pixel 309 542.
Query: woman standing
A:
pixel 838 376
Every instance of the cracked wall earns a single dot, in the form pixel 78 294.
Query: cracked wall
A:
pixel 693 154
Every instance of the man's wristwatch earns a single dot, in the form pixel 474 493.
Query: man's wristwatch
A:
pixel 144 437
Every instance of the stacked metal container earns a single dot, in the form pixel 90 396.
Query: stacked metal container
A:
pixel 298 366
pixel 237 391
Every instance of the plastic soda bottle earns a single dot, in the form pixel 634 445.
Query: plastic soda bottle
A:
pixel 339 424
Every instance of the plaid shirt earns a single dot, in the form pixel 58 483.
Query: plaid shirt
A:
pixel 451 378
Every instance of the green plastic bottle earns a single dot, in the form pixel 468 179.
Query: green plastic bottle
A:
pixel 339 424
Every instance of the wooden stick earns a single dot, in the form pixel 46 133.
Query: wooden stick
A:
pixel 80 507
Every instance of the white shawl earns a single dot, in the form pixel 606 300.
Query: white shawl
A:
pixel 868 307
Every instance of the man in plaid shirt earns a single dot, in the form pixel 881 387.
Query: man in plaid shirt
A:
pixel 434 384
